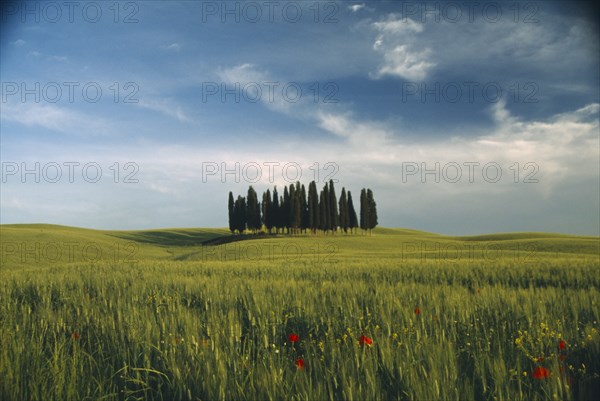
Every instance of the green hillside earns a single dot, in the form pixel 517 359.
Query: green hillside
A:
pixel 31 245
pixel 398 314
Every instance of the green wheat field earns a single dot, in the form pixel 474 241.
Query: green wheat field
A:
pixel 182 314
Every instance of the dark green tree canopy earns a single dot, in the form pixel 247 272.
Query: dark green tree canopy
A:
pixel 297 211
pixel 230 208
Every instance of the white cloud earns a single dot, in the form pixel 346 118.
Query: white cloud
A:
pixel 163 189
pixel 356 7
pixel 405 63
pixel 18 42
pixel 248 78
pixel 564 147
pixel 562 49
pixel 165 106
pixel 397 44
pixel 558 52
pixel 55 118
pixel 368 136
pixel 551 143
pixel 397 25
pixel 243 73
pixel 176 47
pixel 378 42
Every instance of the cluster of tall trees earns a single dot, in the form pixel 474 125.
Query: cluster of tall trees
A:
pixel 296 211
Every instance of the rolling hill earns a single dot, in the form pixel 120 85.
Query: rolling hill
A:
pixel 30 245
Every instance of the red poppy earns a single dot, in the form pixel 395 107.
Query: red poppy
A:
pixel 75 335
pixel 417 311
pixel 540 373
pixel 364 340
pixel 562 344
pixel 299 363
pixel 293 338
pixel 540 359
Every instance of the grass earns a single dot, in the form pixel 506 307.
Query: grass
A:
pixel 467 318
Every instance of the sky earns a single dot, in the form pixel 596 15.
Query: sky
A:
pixel 463 117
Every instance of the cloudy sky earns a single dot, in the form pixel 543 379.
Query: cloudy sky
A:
pixel 464 118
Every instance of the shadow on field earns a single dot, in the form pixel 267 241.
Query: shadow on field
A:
pixel 170 238
pixel 226 239
pixel 183 238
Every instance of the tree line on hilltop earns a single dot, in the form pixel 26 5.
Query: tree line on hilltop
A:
pixel 297 211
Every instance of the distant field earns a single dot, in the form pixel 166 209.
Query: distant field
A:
pixel 399 314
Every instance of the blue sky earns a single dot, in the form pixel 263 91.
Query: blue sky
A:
pixel 424 103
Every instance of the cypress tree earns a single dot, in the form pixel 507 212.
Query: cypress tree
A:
pixel 364 214
pixel 252 210
pixel 313 207
pixel 372 210
pixel 304 210
pixel 352 219
pixel 240 214
pixel 296 209
pixel 282 220
pixel 294 212
pixel 276 212
pixel 285 206
pixel 322 212
pixel 267 211
pixel 292 208
pixel 325 215
pixel 344 221
pixel 334 219
pixel 230 207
